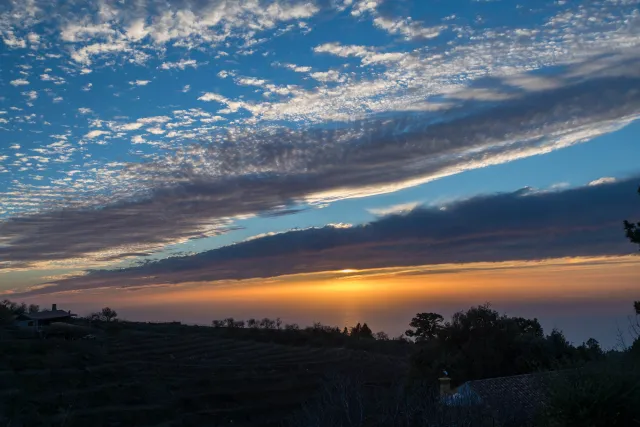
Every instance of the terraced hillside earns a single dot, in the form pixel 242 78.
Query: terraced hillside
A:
pixel 155 379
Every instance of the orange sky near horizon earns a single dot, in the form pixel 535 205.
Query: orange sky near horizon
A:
pixel 386 298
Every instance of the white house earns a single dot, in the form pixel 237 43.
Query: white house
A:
pixel 42 318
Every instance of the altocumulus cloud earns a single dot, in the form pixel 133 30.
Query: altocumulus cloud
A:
pixel 252 171
pixel 523 225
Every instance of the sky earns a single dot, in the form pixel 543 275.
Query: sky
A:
pixel 446 152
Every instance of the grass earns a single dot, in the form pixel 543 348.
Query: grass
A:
pixel 146 375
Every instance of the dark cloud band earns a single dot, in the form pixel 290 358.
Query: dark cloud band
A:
pixel 523 225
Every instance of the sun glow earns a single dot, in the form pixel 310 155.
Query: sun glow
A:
pixel 348 270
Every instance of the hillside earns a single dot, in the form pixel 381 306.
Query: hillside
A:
pixel 146 376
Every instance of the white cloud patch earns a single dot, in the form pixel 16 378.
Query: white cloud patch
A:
pixel 154 119
pixel 128 126
pixel 19 82
pixel 140 82
pixel 96 133
pixel 32 95
pixel 407 28
pixel 328 76
pixel 232 106
pixel 294 67
pixel 186 88
pixel 395 209
pixel 603 180
pixel 49 78
pixel 13 42
pixel 138 139
pixel 84 110
pixel 33 38
pixel 181 65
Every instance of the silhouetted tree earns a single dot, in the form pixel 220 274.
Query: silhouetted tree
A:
pixel 267 323
pixel 105 315
pixel 6 316
pixel 34 308
pixel 278 323
pixel 528 326
pixel 426 326
pixel 218 323
pixel 253 323
pixel 14 307
pixel 366 332
pixel 590 350
pixel 632 230
pixel 381 336
pixel 361 331
pixel 291 327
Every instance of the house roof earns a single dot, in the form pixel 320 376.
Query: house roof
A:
pixel 516 398
pixel 47 315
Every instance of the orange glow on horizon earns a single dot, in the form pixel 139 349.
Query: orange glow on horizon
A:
pixel 559 279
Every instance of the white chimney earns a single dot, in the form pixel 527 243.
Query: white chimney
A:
pixel 445 386
pixel 54 307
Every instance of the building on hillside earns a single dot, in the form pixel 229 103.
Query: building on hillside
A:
pixel 42 318
pixel 511 401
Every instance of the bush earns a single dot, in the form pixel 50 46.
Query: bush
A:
pixel 602 394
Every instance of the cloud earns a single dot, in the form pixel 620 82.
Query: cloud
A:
pixel 19 82
pixel 182 64
pixel 328 76
pixel 364 6
pixel 49 78
pixel 603 180
pixel 96 133
pixel 232 106
pixel 154 119
pixel 408 28
pixel 297 68
pixel 370 56
pixel 140 82
pixel 84 110
pixel 186 88
pixel 138 139
pixel 33 38
pixel 582 222
pixel 395 209
pixel 13 42
pixel 131 30
pixel 209 96
pixel 249 171
pixel 32 95
pixel 128 126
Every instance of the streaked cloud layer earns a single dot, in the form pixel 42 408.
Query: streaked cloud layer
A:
pixel 134 126
pixel 524 225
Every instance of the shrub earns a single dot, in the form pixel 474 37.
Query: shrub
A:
pixel 602 394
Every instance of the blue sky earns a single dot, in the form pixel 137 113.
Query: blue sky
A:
pixel 141 130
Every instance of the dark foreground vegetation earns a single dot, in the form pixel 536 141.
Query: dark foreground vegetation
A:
pixel 270 374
